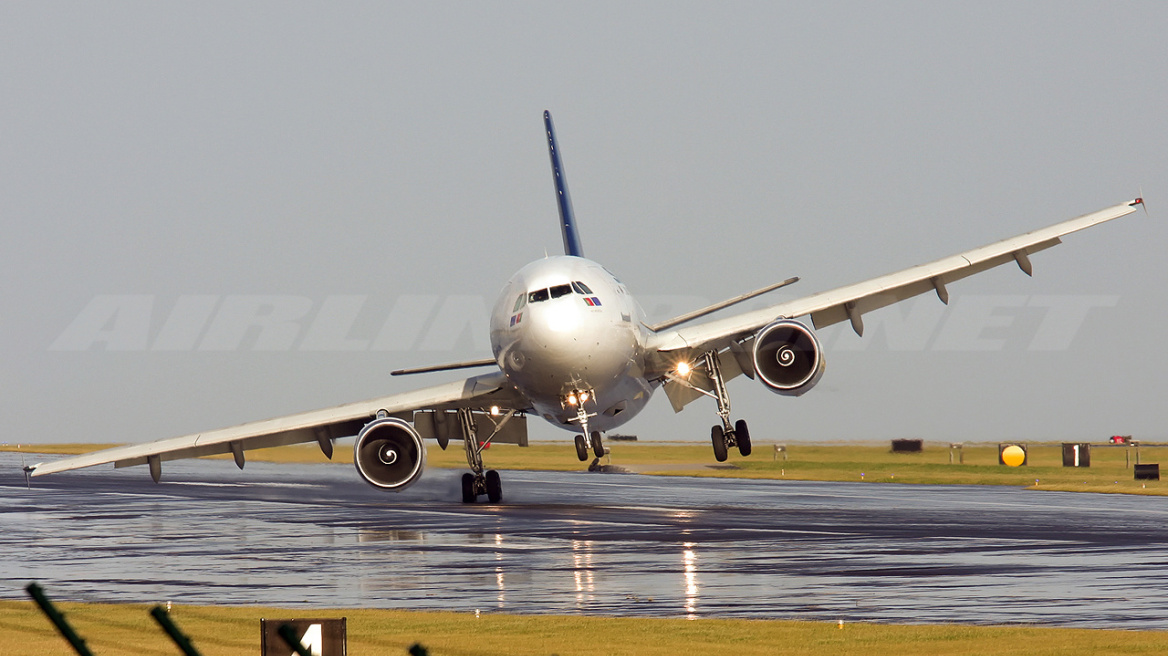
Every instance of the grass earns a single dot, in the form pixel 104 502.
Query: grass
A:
pixel 117 629
pixel 1109 471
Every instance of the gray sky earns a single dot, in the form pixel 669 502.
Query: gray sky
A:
pixel 188 163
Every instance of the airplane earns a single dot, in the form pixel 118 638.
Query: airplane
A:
pixel 570 345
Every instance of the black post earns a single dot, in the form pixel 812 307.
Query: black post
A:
pixel 183 642
pixel 58 620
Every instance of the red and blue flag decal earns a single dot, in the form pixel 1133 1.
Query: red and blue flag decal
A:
pixel 592 301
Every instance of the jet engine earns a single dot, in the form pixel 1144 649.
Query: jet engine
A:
pixel 389 453
pixel 787 357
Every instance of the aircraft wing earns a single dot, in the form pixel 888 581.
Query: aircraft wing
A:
pixel 849 303
pixel 321 426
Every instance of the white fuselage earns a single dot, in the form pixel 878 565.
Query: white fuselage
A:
pixel 565 324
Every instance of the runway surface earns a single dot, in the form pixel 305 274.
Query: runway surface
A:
pixel 598 544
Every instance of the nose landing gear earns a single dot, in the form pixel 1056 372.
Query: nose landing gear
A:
pixel 595 443
pixel 585 440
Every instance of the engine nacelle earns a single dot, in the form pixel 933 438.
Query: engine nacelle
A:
pixel 389 453
pixel 787 357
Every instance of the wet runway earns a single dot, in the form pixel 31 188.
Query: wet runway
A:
pixel 605 544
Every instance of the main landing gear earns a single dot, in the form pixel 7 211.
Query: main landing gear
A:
pixel 477 483
pixel 724 436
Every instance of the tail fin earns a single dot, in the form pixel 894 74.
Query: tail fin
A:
pixel 567 215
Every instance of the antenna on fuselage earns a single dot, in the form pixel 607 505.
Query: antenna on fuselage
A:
pixel 563 199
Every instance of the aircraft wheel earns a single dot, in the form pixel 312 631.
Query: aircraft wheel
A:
pixel 468 493
pixel 494 486
pixel 581 449
pixel 718 437
pixel 597 445
pixel 743 436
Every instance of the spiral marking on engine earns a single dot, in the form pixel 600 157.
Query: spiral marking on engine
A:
pixel 387 455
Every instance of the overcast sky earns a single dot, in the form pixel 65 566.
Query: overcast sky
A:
pixel 372 173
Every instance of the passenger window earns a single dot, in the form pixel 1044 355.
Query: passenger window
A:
pixel 537 296
pixel 519 303
pixel 560 290
pixel 581 288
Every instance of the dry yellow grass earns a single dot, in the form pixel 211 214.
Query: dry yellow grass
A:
pixel 124 630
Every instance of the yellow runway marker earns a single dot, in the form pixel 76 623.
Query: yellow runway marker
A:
pixel 1013 455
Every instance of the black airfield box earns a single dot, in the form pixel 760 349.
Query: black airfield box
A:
pixel 1076 454
pixel 1148 472
pixel 908 446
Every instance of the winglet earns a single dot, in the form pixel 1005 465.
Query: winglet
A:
pixel 567 215
pixel 1140 201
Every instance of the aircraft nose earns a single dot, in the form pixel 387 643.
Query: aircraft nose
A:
pixel 555 328
pixel 559 321
pixel 569 338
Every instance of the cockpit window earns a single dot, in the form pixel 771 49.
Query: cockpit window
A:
pixel 537 296
pixel 519 303
pixel 581 288
pixel 560 290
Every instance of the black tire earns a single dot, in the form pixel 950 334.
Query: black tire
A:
pixel 597 445
pixel 742 434
pixel 468 494
pixel 581 450
pixel 718 437
pixel 494 486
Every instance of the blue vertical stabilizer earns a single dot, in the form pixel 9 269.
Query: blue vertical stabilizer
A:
pixel 567 215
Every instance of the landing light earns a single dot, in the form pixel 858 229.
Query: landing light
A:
pixel 583 397
pixel 494 411
pixel 571 399
pixel 683 368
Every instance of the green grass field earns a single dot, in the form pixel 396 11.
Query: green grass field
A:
pixel 124 630
pixel 1109 471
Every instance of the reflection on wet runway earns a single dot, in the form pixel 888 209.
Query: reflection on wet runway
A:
pixel 292 535
pixel 691 580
